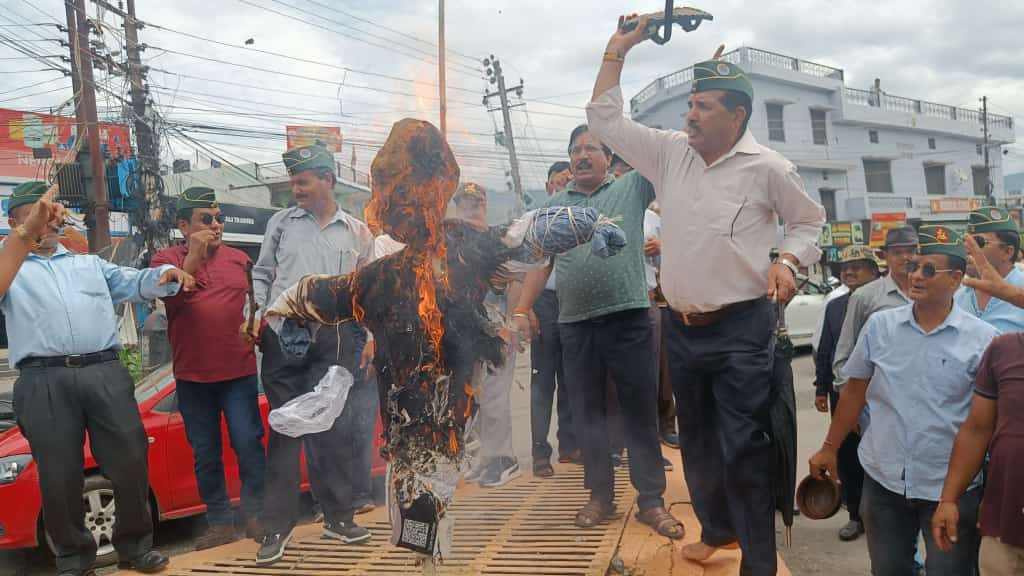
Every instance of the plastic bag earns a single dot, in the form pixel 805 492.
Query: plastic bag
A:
pixel 315 411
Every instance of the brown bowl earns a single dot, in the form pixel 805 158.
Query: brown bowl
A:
pixel 818 499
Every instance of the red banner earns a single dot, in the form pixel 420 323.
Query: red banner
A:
pixel 329 136
pixel 21 132
pixel 882 222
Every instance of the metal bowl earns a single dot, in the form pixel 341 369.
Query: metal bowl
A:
pixel 818 499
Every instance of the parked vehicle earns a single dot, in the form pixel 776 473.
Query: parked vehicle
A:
pixel 173 489
pixel 804 311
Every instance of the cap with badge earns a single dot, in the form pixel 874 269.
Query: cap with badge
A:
pixel 470 190
pixel 197 197
pixel 991 219
pixel 941 240
pixel 720 75
pixel 303 158
pixel 26 193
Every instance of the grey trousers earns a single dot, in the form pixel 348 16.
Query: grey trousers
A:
pixel 54 407
pixel 496 409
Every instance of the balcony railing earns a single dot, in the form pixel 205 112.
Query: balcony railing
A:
pixel 741 56
pixel 892 103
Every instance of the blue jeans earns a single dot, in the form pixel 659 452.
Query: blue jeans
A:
pixel 892 522
pixel 201 405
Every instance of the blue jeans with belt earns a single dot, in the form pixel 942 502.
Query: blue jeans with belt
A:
pixel 201 405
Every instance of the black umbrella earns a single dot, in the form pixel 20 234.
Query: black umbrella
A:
pixel 783 422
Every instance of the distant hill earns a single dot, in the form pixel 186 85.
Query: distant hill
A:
pixel 1014 183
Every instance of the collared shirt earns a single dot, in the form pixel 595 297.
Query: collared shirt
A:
pixel 720 221
pixel 202 325
pixel 1001 378
pixel 64 304
pixel 590 286
pixel 295 245
pixel 824 354
pixel 1004 316
pixel 919 393
pixel 875 296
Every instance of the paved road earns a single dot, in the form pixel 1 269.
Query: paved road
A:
pixel 816 549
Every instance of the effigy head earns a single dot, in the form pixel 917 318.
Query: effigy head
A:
pixel 414 176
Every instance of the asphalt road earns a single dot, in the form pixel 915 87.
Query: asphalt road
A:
pixel 816 548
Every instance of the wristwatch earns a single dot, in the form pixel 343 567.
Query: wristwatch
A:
pixel 789 264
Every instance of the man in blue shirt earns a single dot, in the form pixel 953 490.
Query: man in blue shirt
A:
pixel 998 237
pixel 63 334
pixel 914 367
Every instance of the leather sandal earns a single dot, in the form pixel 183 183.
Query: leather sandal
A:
pixel 543 469
pixel 663 523
pixel 595 512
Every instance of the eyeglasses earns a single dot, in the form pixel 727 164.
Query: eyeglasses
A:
pixel 208 219
pixel 982 241
pixel 928 270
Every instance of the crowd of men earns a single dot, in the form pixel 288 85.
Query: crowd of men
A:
pixel 669 342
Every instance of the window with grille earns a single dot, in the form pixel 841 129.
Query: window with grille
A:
pixel 980 177
pixel 776 129
pixel 878 176
pixel 873 136
pixel 819 128
pixel 931 143
pixel 935 179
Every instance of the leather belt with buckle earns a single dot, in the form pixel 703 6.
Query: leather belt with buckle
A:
pixel 69 361
pixel 714 316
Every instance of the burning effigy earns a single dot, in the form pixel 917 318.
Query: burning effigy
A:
pixel 424 306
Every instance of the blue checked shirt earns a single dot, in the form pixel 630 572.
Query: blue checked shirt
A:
pixel 919 393
pixel 1004 316
pixel 64 304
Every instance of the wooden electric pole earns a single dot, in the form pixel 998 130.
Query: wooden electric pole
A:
pixel 97 215
pixel 498 77
pixel 989 192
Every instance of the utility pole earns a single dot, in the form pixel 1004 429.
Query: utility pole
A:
pixel 148 151
pixel 441 72
pixel 497 77
pixel 988 176
pixel 97 216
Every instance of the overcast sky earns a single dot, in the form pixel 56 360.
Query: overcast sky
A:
pixel 946 51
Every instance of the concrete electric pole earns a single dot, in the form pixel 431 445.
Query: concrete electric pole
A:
pixel 498 77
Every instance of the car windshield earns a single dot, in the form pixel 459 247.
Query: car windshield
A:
pixel 807 286
pixel 152 384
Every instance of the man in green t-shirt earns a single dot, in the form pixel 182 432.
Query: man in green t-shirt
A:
pixel 605 331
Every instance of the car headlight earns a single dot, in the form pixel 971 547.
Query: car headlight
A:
pixel 12 466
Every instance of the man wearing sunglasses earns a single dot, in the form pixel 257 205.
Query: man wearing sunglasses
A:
pixel 914 367
pixel 216 373
pixel 998 236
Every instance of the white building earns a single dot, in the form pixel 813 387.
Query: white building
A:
pixel 860 152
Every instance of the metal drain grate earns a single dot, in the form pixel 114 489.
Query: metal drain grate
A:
pixel 525 527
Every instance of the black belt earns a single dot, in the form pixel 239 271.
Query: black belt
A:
pixel 70 361
pixel 715 316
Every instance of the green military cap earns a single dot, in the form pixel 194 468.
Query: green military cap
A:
pixel 304 158
pixel 940 240
pixel 856 252
pixel 26 193
pixel 991 219
pixel 470 190
pixel 721 75
pixel 197 197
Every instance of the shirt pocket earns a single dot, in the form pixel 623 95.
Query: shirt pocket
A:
pixel 347 260
pixel 723 215
pixel 947 377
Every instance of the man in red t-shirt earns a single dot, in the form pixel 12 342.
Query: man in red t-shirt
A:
pixel 214 365
pixel 995 425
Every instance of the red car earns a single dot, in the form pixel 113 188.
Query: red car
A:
pixel 172 481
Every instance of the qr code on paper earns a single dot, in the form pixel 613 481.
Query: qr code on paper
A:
pixel 415 532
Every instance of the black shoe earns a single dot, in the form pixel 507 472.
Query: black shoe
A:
pixel 347 532
pixel 670 439
pixel 149 563
pixel 272 548
pixel 851 531
pixel 501 471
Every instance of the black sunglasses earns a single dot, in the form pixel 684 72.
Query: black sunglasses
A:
pixel 207 219
pixel 982 241
pixel 928 270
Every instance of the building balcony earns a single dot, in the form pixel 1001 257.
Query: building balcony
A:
pixel 877 107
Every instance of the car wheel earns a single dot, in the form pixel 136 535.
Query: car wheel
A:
pixel 98 506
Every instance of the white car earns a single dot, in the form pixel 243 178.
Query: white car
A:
pixel 805 310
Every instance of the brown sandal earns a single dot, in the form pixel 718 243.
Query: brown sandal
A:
pixel 663 523
pixel 594 513
pixel 543 469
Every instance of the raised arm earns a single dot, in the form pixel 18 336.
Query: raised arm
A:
pixel 989 280
pixel 44 215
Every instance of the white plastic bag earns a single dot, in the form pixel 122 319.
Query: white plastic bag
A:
pixel 315 411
